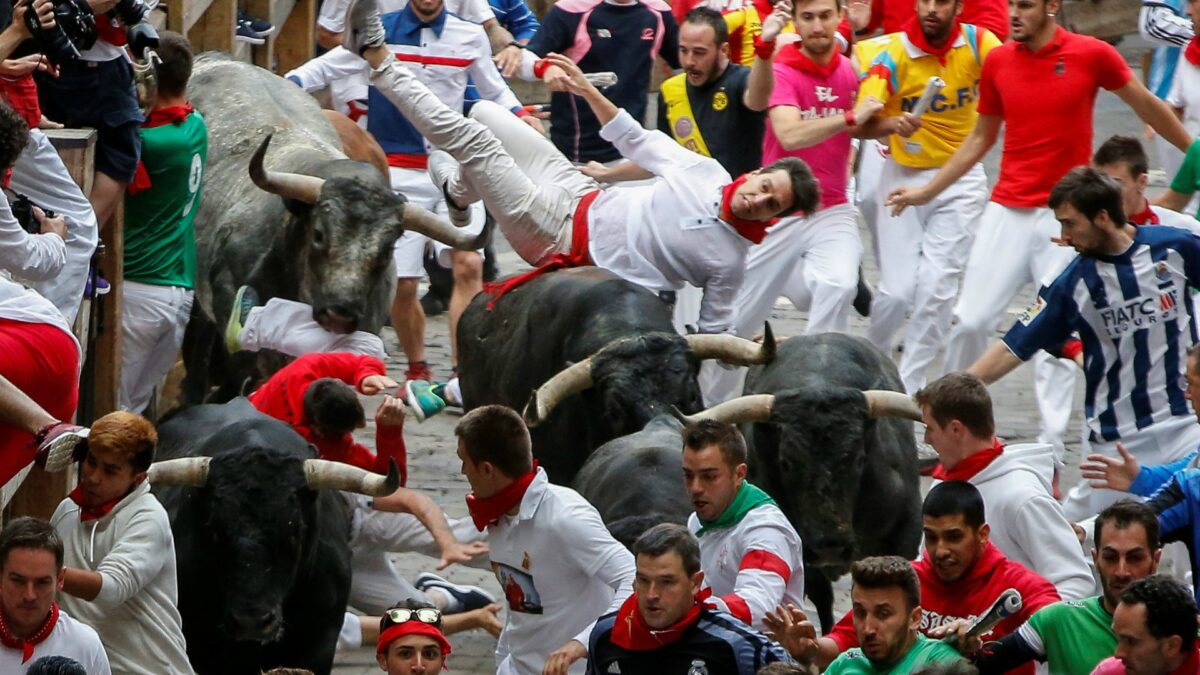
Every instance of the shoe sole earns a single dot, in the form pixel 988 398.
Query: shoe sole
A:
pixel 250 40
pixel 413 403
pixel 427 580
pixel 233 325
pixel 61 453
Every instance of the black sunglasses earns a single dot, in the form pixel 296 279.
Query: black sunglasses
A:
pixel 427 615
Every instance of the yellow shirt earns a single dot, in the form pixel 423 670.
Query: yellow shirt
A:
pixel 745 25
pixel 865 52
pixel 898 75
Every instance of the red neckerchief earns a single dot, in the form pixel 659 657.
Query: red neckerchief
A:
pixel 754 230
pixel 158 117
pixel 86 513
pixel 1146 216
pixel 1192 52
pixel 912 29
pixel 26 645
pixel 1190 666
pixel 792 55
pixel 970 466
pixel 488 510
pixel 111 30
pixel 631 632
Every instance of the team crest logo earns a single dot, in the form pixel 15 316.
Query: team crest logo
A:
pixel 1031 313
pixel 699 667
pixel 1161 272
pixel 683 127
pixel 1060 68
pixel 720 101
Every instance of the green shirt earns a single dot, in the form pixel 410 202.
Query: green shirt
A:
pixel 924 652
pixel 1075 635
pixel 1187 179
pixel 160 243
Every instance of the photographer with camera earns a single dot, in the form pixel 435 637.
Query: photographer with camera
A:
pixel 40 181
pixel 97 90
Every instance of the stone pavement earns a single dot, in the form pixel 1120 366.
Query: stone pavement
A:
pixel 434 467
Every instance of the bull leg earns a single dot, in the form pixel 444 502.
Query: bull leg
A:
pixel 819 589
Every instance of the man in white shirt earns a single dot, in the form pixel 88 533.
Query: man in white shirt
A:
pixel 556 561
pixel 31 623
pixel 695 225
pixel 1124 160
pixel 1026 522
pixel 120 575
pixel 750 554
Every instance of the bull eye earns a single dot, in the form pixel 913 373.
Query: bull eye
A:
pixel 318 238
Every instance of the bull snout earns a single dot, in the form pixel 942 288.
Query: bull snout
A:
pixel 336 319
pixel 256 626
pixel 833 549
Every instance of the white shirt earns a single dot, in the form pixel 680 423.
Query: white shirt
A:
pixel 1171 218
pixel 33 257
pixel 1185 94
pixel 667 233
pixel 69 638
pixel 560 570
pixel 342 72
pixel 137 610
pixel 753 566
pixel 1026 522
pixel 333 12
pixel 24 304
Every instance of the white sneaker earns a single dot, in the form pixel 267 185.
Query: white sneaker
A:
pixel 363 27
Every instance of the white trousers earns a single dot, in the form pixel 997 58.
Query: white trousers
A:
pixel 871 156
pixel 409 253
pixel 153 321
pixel 527 185
pixel 812 262
pixel 1013 248
pixel 375 583
pixel 40 174
pixel 287 326
pixel 1161 443
pixel 924 251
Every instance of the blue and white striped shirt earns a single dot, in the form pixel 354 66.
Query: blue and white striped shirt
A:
pixel 1136 320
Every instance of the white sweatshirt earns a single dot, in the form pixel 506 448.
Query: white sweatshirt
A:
pixel 1027 524
pixel 137 610
pixel 560 570
pixel 71 639
pixel 754 565
pixel 669 232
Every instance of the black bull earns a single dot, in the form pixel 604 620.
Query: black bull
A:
pixel 261 545
pixel 304 223
pixel 829 439
pixel 621 362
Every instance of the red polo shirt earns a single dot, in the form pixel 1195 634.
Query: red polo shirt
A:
pixel 891 15
pixel 1046 99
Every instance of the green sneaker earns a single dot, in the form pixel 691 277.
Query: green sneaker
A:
pixel 420 397
pixel 245 300
pixel 449 392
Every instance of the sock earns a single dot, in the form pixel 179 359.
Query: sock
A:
pixel 453 605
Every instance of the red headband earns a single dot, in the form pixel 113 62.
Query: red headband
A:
pixel 399 630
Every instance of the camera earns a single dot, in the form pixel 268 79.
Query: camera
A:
pixel 74 30
pixel 131 11
pixel 22 210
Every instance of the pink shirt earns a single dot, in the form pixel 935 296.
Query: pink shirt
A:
pixel 818 91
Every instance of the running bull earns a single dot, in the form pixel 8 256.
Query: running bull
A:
pixel 831 439
pixel 599 353
pixel 261 538
pixel 317 227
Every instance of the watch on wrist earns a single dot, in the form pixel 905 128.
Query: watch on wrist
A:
pixel 514 43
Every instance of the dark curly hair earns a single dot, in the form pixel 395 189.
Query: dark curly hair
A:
pixel 14 134
pixel 1170 608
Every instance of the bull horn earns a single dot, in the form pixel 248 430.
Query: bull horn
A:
pixel 568 382
pixel 884 403
pixel 754 408
pixel 291 185
pixel 185 471
pixel 326 475
pixel 733 349
pixel 422 221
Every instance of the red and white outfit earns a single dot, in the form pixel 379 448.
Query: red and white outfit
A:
pixel 287 326
pixel 60 636
pixel 1152 214
pixel 1044 138
pixel 753 566
pixel 969 597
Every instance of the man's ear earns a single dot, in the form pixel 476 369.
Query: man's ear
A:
pixel 381 659
pixel 740 471
pixel 697 581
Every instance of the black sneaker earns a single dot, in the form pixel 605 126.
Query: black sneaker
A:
pixel 863 296
pixel 263 28
pixel 462 598
pixel 247 34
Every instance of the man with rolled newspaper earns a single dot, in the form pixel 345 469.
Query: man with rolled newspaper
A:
pixel 927 76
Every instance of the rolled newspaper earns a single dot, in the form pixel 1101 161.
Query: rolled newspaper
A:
pixel 601 80
pixel 1006 605
pixel 931 89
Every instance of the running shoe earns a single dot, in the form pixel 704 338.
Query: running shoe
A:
pixel 56 445
pixel 461 597
pixel 363 27
pixel 263 28
pixel 441 168
pixel 245 33
pixel 420 397
pixel 449 392
pixel 245 300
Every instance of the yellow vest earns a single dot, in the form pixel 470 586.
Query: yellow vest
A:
pixel 679 115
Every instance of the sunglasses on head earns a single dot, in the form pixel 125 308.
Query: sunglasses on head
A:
pixel 427 615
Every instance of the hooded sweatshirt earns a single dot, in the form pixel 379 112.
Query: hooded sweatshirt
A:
pixel 969 597
pixel 136 612
pixel 1028 525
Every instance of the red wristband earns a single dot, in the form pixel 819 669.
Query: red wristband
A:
pixel 522 112
pixel 1072 349
pixel 539 67
pixel 851 121
pixel 763 50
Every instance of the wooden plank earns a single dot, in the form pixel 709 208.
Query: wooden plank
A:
pixel 261 55
pixel 108 341
pixel 295 39
pixel 1104 19
pixel 77 148
pixel 214 29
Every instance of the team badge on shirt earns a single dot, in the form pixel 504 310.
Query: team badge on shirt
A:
pixel 684 126
pixel 1031 313
pixel 720 101
pixel 1162 272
